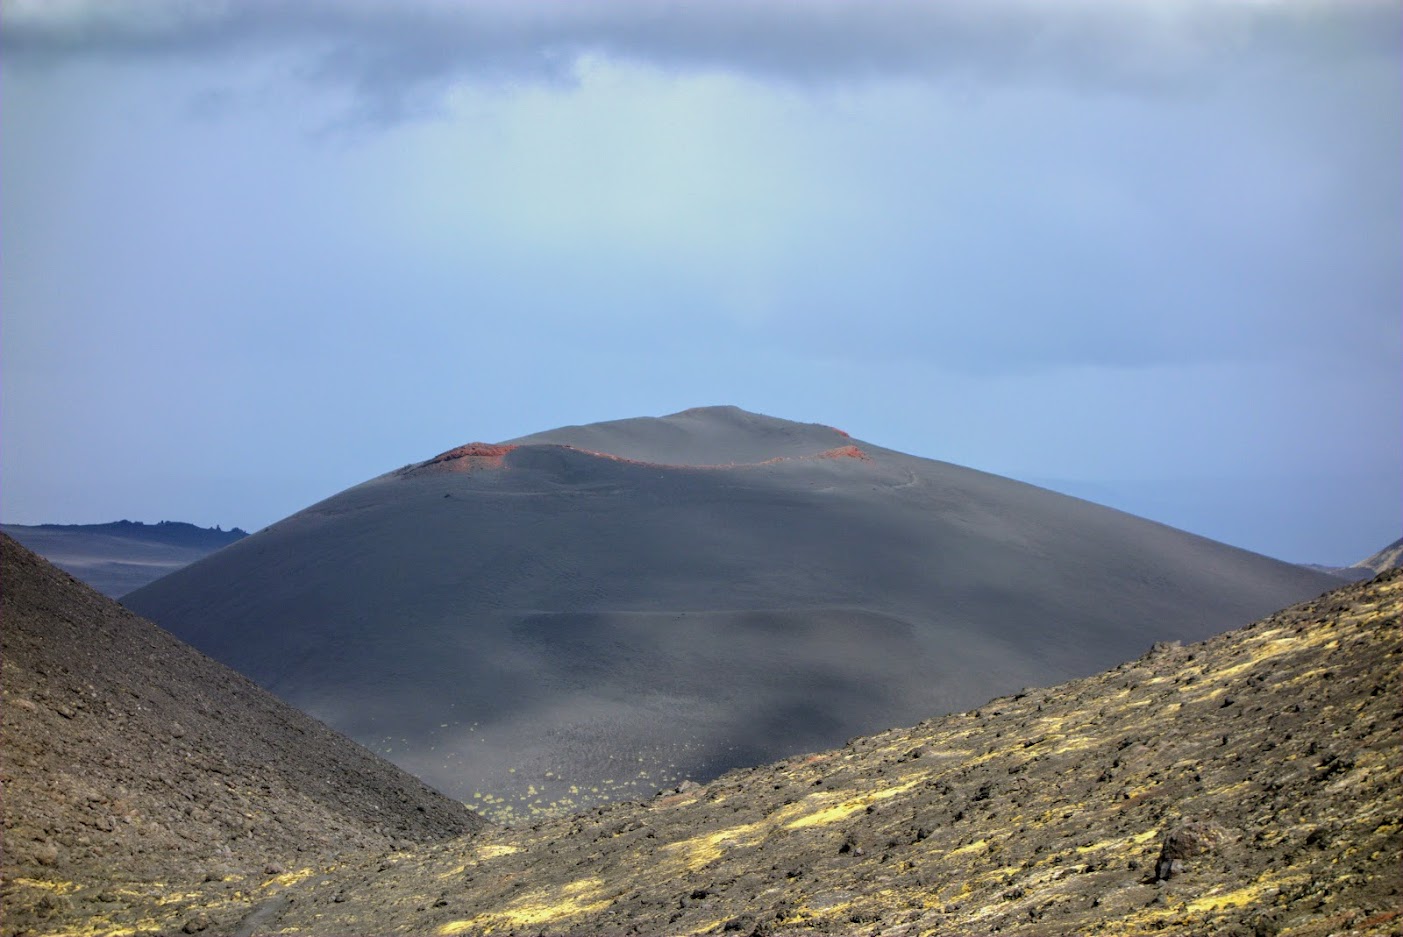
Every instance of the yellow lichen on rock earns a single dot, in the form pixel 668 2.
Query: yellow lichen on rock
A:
pixel 56 886
pixel 847 808
pixel 539 907
pixel 285 879
pixel 700 851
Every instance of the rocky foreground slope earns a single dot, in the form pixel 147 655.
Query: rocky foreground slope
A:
pixel 139 774
pixel 1246 785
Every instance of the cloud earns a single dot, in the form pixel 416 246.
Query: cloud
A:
pixel 387 52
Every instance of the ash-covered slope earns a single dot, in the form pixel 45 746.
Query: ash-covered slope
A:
pixel 135 767
pixel 601 611
pixel 121 556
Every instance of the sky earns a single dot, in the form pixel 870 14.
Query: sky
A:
pixel 1150 254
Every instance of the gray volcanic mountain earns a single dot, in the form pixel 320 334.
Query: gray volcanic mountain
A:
pixel 597 612
pixel 121 556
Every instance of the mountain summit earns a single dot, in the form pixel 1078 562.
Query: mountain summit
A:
pixel 596 612
pixel 699 437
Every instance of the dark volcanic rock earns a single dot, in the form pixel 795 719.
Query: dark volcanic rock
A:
pixel 599 612
pixel 1183 842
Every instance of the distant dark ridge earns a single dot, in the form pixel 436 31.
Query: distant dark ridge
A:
pixel 175 533
pixel 124 555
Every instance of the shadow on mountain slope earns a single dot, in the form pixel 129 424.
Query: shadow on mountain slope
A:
pixel 1246 785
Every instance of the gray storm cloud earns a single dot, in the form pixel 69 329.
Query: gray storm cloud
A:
pixel 384 45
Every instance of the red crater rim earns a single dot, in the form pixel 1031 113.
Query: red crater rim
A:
pixel 476 456
pixel 472 456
